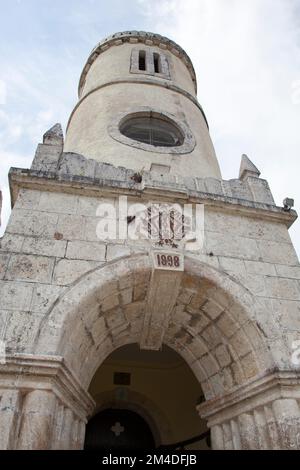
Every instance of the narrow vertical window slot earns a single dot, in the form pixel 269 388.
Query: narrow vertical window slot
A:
pixel 157 64
pixel 142 60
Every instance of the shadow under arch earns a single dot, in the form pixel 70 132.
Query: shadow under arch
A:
pixel 142 405
pixel 213 325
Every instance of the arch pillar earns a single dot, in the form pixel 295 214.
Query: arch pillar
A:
pixel 45 408
pixel 262 414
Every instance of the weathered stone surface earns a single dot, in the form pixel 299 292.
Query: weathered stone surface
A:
pixel 15 295
pixel 44 247
pixel 61 203
pixel 248 168
pixel 54 136
pixel 117 251
pixel 20 331
pixel 68 299
pixel 86 251
pixel 68 271
pixel 32 223
pixel 4 259
pixel 30 268
pixel 11 243
pixel 44 297
pixel 72 227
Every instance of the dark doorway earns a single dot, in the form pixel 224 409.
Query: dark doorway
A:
pixel 116 429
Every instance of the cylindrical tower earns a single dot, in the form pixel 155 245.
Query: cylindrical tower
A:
pixel 138 108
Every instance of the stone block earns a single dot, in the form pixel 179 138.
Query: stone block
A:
pixel 254 282
pixel 281 288
pixel 126 296
pixel 44 296
pixel 89 251
pixel 240 344
pixel 88 206
pixel 3 320
pixel 68 271
pixel 4 259
pixel 249 366
pixel 117 251
pixel 73 164
pixel 226 244
pixel 46 158
pixel 27 199
pixel 11 242
pixel 263 269
pixel 21 330
pixel 227 325
pixel 223 355
pixel 72 227
pixel 277 253
pixel 58 202
pixel 291 272
pixel 240 190
pixel 211 336
pixel 38 224
pixel 30 268
pixel 288 313
pixel 44 247
pixel 213 186
pixel 233 265
pixel 210 365
pixel 15 295
pixel 110 302
pixel 212 309
pixel 260 190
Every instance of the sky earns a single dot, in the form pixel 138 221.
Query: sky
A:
pixel 246 55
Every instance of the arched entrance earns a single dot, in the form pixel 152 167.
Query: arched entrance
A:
pixel 157 386
pixel 212 325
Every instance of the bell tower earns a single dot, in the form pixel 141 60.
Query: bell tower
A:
pixel 161 339
pixel 138 108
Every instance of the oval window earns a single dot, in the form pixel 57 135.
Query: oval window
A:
pixel 153 131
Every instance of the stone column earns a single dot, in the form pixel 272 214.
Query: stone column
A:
pixel 46 409
pixel 78 435
pixel 287 415
pixel 10 402
pixel 37 421
pixel 264 414
pixel 67 430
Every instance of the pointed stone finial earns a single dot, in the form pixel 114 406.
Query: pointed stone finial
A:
pixel 248 168
pixel 54 136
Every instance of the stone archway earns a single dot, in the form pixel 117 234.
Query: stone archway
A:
pixel 212 325
pixel 106 308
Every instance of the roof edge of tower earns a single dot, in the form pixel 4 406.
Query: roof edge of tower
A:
pixel 147 38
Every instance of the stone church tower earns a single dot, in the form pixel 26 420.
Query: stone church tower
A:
pixel 105 325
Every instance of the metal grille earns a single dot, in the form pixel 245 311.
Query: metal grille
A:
pixel 153 131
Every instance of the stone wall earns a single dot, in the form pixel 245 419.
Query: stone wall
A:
pixel 233 314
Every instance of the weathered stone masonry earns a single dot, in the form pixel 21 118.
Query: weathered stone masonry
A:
pixel 68 299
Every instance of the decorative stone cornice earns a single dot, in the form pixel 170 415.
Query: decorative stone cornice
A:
pixel 116 181
pixel 255 393
pixel 143 37
pixel 30 372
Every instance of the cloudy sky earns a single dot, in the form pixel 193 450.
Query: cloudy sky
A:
pixel 246 54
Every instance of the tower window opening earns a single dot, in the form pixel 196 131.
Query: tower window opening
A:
pixel 157 63
pixel 153 131
pixel 142 60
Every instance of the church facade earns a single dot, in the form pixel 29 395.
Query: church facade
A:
pixel 142 297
